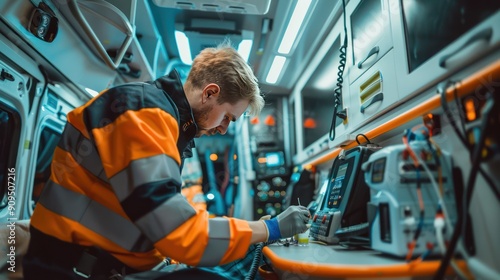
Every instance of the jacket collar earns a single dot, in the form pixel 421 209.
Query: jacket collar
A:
pixel 172 86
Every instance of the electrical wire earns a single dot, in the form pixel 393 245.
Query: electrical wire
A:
pixel 364 136
pixel 424 255
pixel 438 191
pixel 439 225
pixel 460 112
pixel 443 206
pixel 340 79
pixel 255 262
pixel 437 154
pixel 257 259
pixel 476 168
pixel 444 104
pixel 413 243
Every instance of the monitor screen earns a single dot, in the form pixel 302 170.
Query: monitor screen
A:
pixel 432 25
pixel 338 184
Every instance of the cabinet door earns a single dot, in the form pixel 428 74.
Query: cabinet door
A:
pixel 429 51
pixel 374 92
pixel 370 34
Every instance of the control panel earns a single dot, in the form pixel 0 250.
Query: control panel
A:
pixel 272 178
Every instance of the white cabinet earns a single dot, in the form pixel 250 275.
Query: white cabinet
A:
pixel 374 92
pixel 370 35
pixel 435 39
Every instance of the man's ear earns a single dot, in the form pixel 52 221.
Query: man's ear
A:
pixel 210 91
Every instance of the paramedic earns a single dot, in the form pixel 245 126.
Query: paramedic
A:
pixel 113 205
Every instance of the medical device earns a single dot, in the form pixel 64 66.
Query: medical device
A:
pixel 343 212
pixel 409 185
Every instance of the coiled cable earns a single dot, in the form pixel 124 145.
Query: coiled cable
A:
pixel 256 261
pixel 340 80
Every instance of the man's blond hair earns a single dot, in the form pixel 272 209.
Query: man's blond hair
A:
pixel 224 66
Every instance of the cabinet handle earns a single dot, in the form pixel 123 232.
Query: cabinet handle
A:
pixel 483 35
pixel 377 97
pixel 373 51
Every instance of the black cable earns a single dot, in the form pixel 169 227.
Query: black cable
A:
pixel 257 259
pixel 460 135
pixel 483 173
pixel 476 156
pixel 364 136
pixel 256 262
pixel 460 228
pixel 466 197
pixel 340 79
pixel 460 110
pixel 449 115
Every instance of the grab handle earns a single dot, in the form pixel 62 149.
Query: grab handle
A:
pixel 483 35
pixel 112 15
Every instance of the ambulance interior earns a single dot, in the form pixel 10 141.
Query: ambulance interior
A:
pixel 380 117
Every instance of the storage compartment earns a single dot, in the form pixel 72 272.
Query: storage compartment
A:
pixel 374 92
pixel 435 39
pixel 121 33
pixel 370 33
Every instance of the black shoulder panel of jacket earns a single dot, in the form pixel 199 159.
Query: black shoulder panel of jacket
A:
pixel 117 100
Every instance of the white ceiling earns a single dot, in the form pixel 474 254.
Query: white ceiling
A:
pixel 321 18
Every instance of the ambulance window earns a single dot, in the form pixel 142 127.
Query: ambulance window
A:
pixel 9 139
pixel 47 144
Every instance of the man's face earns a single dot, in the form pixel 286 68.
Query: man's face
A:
pixel 214 118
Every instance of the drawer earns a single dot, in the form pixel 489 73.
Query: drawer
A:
pixel 374 92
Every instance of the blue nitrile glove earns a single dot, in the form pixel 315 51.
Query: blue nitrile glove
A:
pixel 290 222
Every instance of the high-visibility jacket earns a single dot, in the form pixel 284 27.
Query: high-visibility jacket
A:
pixel 115 182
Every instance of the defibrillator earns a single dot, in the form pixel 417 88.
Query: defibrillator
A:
pixel 343 212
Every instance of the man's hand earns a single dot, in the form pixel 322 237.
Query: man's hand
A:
pixel 292 221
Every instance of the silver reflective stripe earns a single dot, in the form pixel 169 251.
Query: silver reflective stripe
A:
pixel 218 243
pixel 93 216
pixel 166 218
pixel 145 170
pixel 83 151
